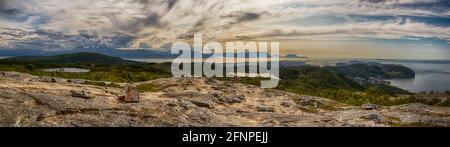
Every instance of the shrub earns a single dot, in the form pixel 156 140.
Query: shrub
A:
pixel 30 67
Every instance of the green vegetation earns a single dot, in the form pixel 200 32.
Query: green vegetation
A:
pixel 432 98
pixel 317 81
pixel 446 103
pixel 113 73
pixel 368 70
pixel 102 68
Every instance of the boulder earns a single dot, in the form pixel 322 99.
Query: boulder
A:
pixel 186 104
pixel 51 79
pixel 203 103
pixel 286 104
pixel 373 117
pixel 369 107
pixel 265 109
pixel 81 94
pixel 10 74
pixel 131 95
pixel 230 99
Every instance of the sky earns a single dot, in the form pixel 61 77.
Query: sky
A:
pixel 401 29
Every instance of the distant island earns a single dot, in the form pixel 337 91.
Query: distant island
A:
pixel 294 56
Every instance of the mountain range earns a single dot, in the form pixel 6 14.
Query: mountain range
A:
pixel 75 58
pixel 126 54
pixel 131 54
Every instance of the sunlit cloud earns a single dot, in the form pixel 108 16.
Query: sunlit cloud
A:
pixel 64 24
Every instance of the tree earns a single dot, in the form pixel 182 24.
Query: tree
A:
pixel 30 67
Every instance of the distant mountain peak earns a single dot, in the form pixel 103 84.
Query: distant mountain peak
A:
pixel 79 57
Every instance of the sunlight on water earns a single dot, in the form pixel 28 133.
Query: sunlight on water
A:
pixel 429 77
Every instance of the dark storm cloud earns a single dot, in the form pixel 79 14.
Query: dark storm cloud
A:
pixel 157 22
pixel 248 17
pixel 373 1
pixel 49 33
pixel 94 38
pixel 185 36
pixel 11 13
pixel 234 18
pixel 197 27
pixel 50 40
pixel 121 40
pixel 135 25
pixel 243 16
pixel 404 2
pixel 240 17
pixel 434 5
pixel 170 3
pixel 151 19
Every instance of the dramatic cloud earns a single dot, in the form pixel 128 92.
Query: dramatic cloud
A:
pixel 64 24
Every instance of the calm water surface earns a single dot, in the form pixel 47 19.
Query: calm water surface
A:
pixel 429 77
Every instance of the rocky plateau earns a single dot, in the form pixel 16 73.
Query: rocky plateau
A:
pixel 30 101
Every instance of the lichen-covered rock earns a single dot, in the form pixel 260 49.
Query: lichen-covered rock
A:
pixel 369 107
pixel 81 94
pixel 203 103
pixel 131 95
pixel 265 109
pixel 373 117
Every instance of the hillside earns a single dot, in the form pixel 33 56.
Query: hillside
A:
pixel 374 70
pixel 102 67
pixel 319 81
pixel 75 58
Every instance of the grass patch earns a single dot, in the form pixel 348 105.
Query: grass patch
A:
pixel 446 103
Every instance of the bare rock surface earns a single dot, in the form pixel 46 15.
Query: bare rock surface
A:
pixel 81 94
pixel 27 101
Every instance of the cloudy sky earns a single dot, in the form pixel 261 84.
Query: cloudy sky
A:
pixel 316 28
